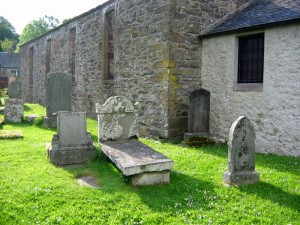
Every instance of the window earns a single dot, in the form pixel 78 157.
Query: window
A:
pixel 72 53
pixel 48 56
pixel 31 67
pixel 108 44
pixel 251 59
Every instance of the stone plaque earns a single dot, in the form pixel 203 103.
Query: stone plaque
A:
pixel 241 154
pixel 15 89
pixel 199 111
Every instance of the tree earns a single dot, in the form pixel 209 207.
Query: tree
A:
pixel 8 35
pixel 38 27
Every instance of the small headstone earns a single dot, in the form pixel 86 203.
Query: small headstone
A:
pixel 13 111
pixel 198 119
pixel 241 154
pixel 118 137
pixel 58 96
pixel 15 89
pixel 72 144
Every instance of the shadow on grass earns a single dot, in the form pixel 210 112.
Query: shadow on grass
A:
pixel 182 194
pixel 275 162
pixel 272 193
pixel 27 108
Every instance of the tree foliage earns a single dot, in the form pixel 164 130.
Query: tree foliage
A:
pixel 8 36
pixel 38 27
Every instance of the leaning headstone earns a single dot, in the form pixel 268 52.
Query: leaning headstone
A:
pixel 58 96
pixel 13 111
pixel 198 119
pixel 118 137
pixel 15 89
pixel 72 144
pixel 241 154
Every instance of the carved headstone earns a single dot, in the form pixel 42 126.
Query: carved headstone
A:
pixel 13 111
pixel 117 119
pixel 198 120
pixel 241 154
pixel 15 89
pixel 58 96
pixel 72 144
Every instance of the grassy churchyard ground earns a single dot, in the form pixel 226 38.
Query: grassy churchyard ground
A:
pixel 34 191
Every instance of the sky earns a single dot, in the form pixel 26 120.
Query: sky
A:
pixel 21 12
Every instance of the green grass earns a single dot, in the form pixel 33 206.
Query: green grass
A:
pixel 33 191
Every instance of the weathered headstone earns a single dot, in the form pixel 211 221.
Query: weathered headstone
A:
pixel 118 133
pixel 72 144
pixel 117 119
pixel 15 89
pixel 198 119
pixel 13 111
pixel 58 97
pixel 241 154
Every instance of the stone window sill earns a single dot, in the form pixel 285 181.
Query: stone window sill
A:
pixel 248 87
pixel 108 81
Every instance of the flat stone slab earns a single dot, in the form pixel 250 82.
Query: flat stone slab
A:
pixel 32 117
pixel 10 134
pixel 88 181
pixel 133 157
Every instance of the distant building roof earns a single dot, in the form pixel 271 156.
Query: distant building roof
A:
pixel 257 14
pixel 10 60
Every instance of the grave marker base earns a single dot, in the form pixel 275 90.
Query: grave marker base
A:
pixel 240 178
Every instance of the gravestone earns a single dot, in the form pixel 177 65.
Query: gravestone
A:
pixel 72 144
pixel 15 89
pixel 118 137
pixel 13 111
pixel 58 96
pixel 198 119
pixel 241 154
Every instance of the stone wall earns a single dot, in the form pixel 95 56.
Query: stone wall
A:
pixel 155 58
pixel 275 111
pixel 88 65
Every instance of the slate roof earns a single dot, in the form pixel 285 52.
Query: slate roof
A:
pixel 257 14
pixel 10 60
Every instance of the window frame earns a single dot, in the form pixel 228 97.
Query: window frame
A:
pixel 247 86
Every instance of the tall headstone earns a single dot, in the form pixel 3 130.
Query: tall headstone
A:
pixel 58 96
pixel 241 154
pixel 15 89
pixel 72 144
pixel 118 137
pixel 198 118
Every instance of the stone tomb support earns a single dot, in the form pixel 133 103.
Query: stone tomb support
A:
pixel 58 96
pixel 241 154
pixel 72 144
pixel 13 111
pixel 118 137
pixel 198 120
